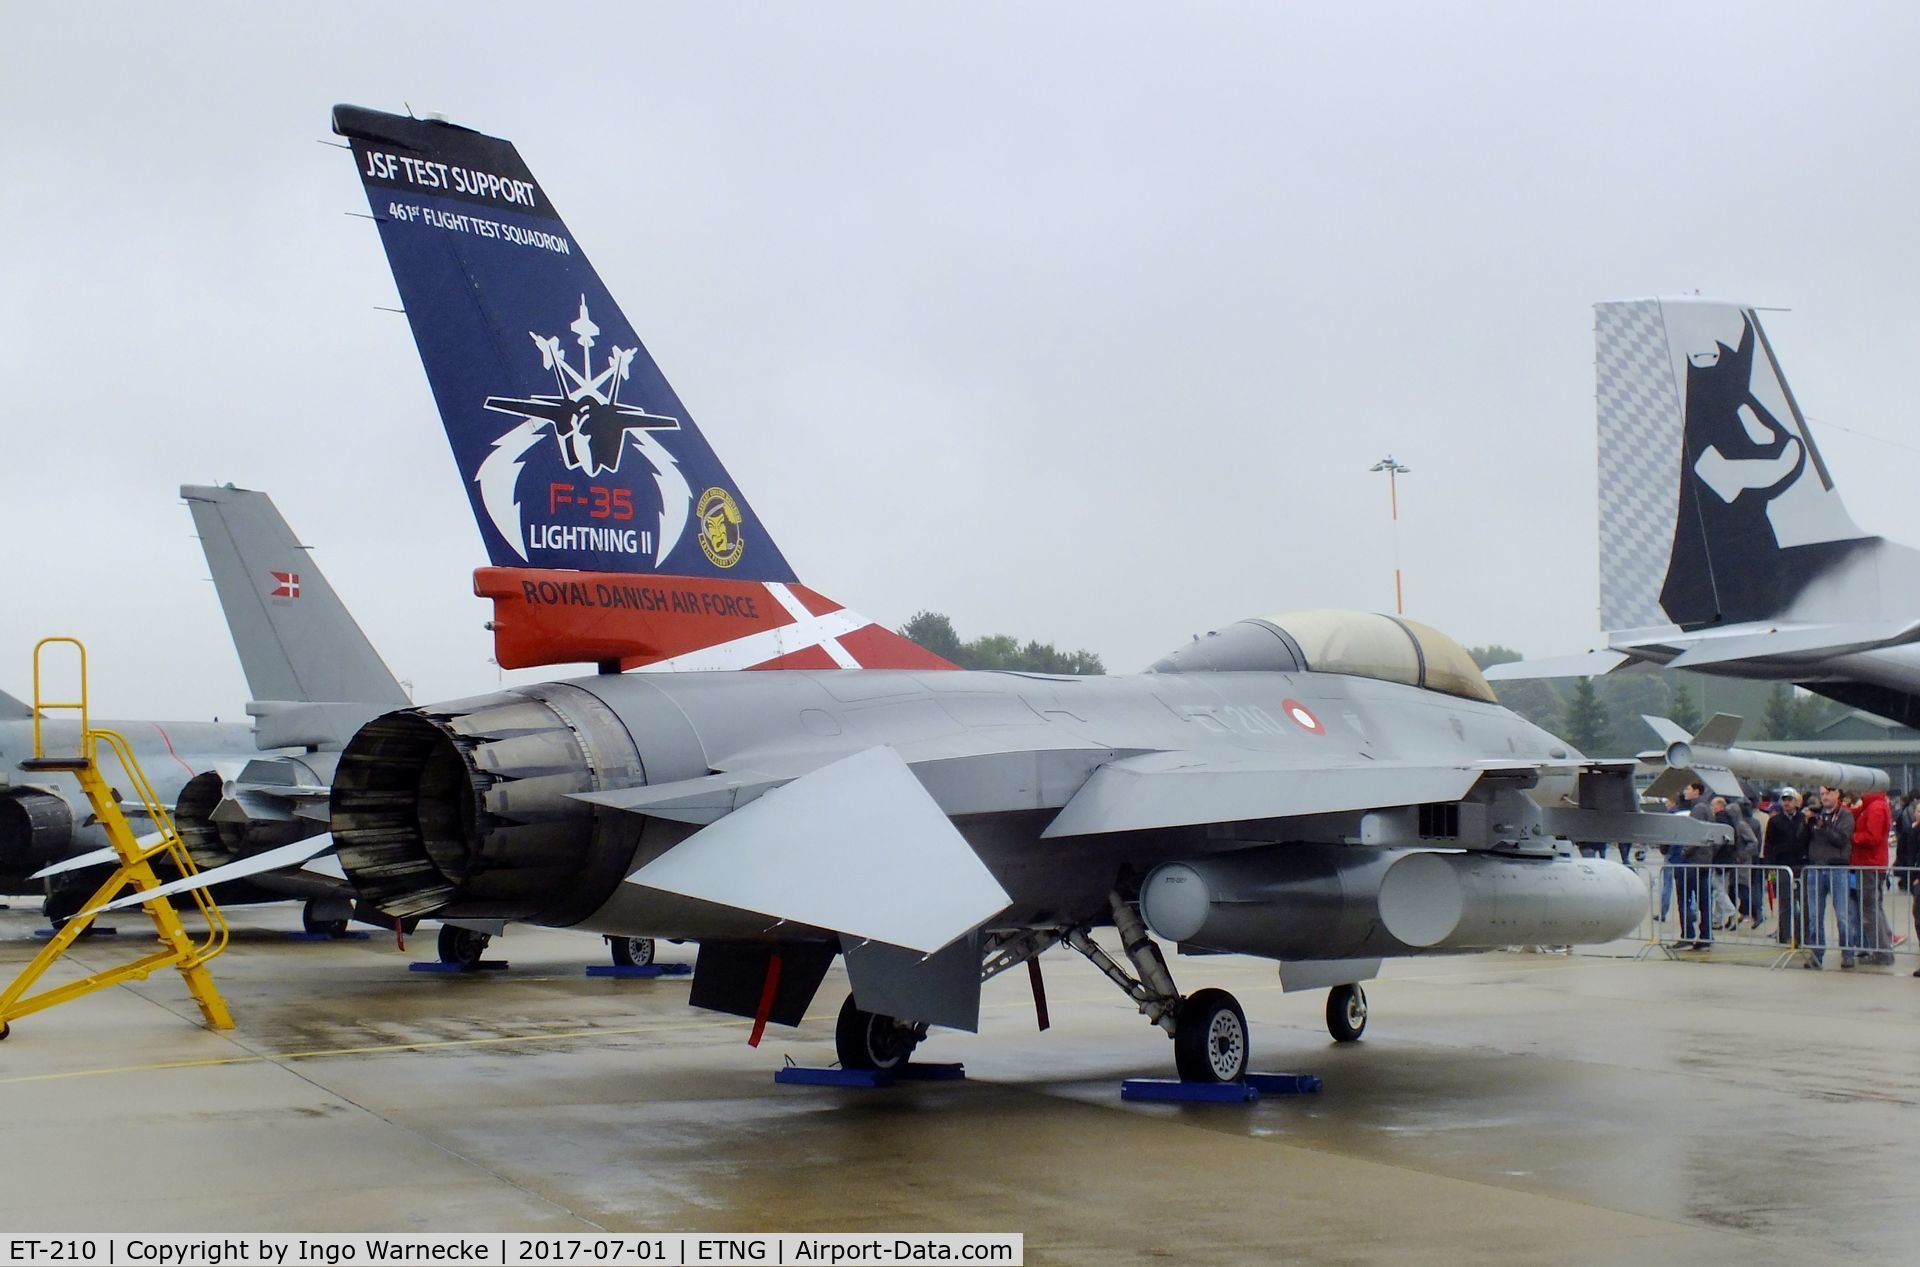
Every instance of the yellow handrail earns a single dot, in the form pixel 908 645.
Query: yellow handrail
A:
pixel 41 705
pixel 170 843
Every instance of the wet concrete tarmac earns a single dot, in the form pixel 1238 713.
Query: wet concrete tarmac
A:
pixel 1503 1109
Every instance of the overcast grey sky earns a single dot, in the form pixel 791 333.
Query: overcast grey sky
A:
pixel 1075 321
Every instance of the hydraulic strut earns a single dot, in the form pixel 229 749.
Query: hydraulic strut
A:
pixel 1153 990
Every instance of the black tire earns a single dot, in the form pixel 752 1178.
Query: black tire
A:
pixel 631 952
pixel 1210 1038
pixel 462 945
pixel 867 1040
pixel 326 927
pixel 1346 1013
pixel 5 1029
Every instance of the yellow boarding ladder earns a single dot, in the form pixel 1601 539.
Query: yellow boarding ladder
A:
pixel 178 950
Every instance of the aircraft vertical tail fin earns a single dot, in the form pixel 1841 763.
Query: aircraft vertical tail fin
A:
pixel 1715 506
pixel 616 534
pixel 12 709
pixel 296 639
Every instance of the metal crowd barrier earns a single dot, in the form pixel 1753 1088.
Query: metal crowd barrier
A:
pixel 1694 906
pixel 1866 914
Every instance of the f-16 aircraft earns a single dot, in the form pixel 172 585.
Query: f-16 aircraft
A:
pixel 1724 545
pixel 236 790
pixel 1325 789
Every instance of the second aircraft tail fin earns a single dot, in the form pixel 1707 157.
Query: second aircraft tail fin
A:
pixel 297 641
pixel 1715 505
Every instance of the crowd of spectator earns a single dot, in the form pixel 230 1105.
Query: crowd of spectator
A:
pixel 1835 848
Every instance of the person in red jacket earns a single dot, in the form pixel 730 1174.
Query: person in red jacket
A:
pixel 1872 824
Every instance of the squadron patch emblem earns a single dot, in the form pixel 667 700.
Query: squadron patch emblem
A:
pixel 719 518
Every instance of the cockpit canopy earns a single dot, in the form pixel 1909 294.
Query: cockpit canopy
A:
pixel 1364 644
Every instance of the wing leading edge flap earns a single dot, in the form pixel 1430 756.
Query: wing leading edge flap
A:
pixel 1180 789
pixel 857 847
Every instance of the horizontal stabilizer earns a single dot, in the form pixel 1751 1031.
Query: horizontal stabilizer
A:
pixel 701 800
pixel 857 847
pixel 254 864
pixel 1813 642
pixel 1176 789
pixel 1586 664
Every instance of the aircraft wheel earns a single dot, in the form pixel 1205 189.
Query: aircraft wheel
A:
pixel 311 920
pixel 631 952
pixel 867 1040
pixel 462 945
pixel 1346 1013
pixel 1210 1041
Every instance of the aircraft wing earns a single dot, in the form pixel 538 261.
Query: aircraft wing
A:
pixel 1586 664
pixel 1173 789
pixel 1755 641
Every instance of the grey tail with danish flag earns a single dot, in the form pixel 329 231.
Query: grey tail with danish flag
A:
pixel 296 640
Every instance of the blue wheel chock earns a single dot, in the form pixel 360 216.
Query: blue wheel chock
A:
pixel 1284 1083
pixel 434 965
pixel 805 1076
pixel 639 970
pixel 1174 1090
pixel 810 1076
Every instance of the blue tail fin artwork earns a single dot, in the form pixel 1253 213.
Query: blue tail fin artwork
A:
pixel 616 535
pixel 576 451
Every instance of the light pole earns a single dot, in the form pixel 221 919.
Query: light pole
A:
pixel 1394 470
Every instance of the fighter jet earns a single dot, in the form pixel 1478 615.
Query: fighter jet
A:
pixel 1324 789
pixel 237 792
pixel 1724 545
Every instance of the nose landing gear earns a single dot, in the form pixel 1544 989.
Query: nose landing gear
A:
pixel 1346 1013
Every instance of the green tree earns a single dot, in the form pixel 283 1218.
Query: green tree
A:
pixel 1778 722
pixel 1686 713
pixel 935 632
pixel 1587 727
pixel 1488 656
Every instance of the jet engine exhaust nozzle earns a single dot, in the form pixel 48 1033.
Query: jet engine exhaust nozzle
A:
pixel 466 809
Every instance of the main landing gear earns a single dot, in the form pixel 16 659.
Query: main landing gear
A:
pixel 321 917
pixel 462 946
pixel 631 952
pixel 1209 1030
pixel 868 1040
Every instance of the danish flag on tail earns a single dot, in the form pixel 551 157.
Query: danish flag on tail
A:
pixel 616 535
pixel 285 584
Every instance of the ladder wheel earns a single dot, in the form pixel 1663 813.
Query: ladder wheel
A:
pixel 5 1029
